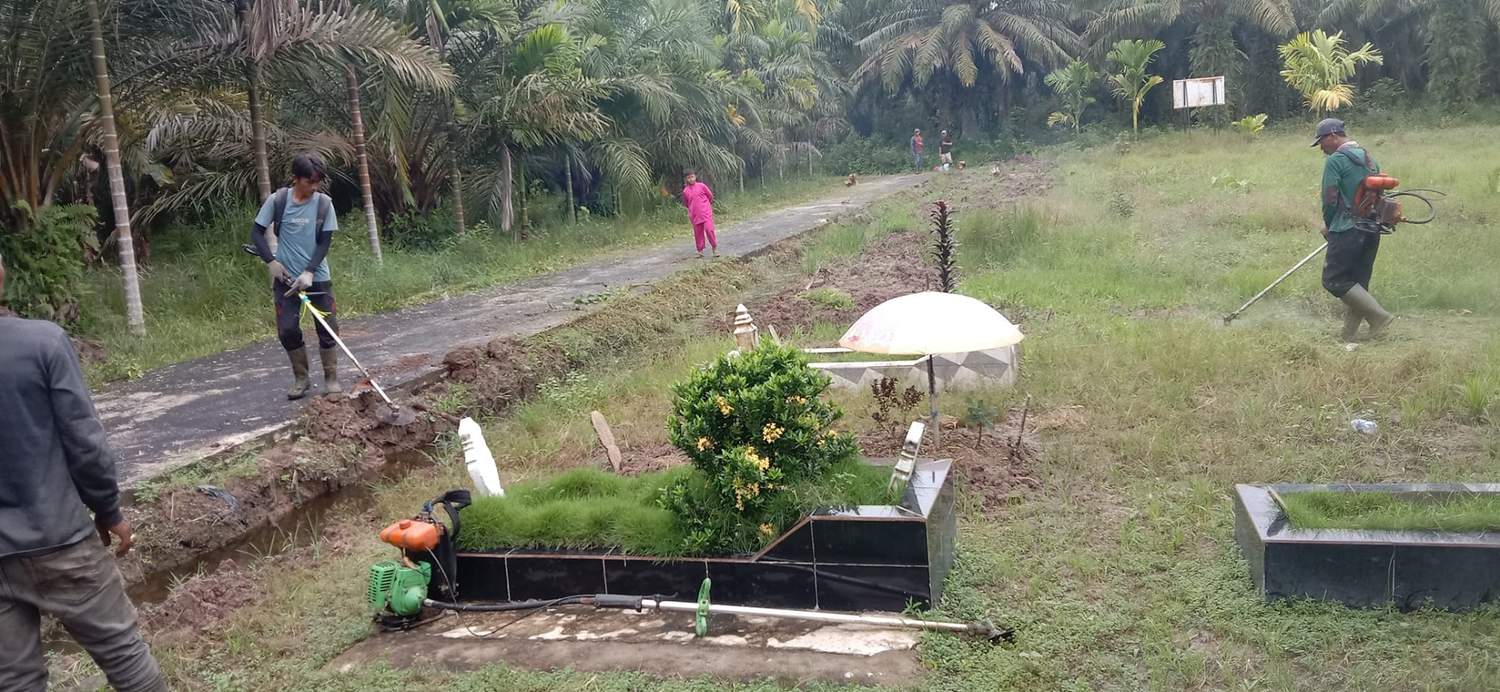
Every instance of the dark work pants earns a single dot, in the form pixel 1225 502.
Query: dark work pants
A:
pixel 289 314
pixel 81 587
pixel 1350 260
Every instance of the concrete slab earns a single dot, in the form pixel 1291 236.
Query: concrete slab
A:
pixel 185 412
pixel 662 644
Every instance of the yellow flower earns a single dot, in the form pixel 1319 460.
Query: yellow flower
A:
pixel 760 462
pixel 767 530
pixel 771 432
pixel 724 407
pixel 705 444
pixel 798 400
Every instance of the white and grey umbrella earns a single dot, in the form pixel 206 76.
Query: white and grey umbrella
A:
pixel 930 323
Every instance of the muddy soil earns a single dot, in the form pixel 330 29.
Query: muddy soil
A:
pixel 993 466
pixel 892 266
pixel 638 460
pixel 183 523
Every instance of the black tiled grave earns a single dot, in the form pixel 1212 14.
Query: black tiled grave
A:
pixel 841 558
pixel 1407 569
pixel 554 576
pixel 871 587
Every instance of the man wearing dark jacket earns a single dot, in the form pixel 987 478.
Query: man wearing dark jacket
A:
pixel 55 471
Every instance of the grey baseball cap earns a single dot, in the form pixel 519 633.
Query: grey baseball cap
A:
pixel 1327 127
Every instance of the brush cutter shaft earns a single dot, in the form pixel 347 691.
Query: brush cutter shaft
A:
pixel 1276 283
pixel 347 352
pixel 817 616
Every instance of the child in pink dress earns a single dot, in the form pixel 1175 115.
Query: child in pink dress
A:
pixel 699 201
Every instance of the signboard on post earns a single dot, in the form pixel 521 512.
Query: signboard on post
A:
pixel 1197 93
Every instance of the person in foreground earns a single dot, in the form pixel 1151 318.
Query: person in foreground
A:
pixel 55 471
pixel 304 221
pixel 1351 251
pixel 699 201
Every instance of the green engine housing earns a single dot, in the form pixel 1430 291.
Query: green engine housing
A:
pixel 398 589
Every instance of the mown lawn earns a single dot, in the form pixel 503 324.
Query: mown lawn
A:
pixel 1120 571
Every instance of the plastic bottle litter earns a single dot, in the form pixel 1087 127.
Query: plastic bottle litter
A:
pixel 1367 427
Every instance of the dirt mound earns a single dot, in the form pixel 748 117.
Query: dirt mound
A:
pixel 660 457
pixel 892 266
pixel 994 468
pixel 502 371
pixel 198 603
pixel 367 419
pixel 89 351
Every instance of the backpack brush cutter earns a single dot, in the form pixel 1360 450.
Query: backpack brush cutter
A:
pixel 403 594
pixel 1378 208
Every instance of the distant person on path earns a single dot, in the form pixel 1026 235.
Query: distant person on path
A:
pixel 55 471
pixel 1351 251
pixel 945 150
pixel 304 222
pixel 917 149
pixel 699 201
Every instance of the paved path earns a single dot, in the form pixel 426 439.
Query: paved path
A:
pixel 184 412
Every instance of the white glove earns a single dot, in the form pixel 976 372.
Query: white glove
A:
pixel 278 272
pixel 303 282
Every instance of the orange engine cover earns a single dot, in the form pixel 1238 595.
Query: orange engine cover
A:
pixel 412 534
pixel 1380 182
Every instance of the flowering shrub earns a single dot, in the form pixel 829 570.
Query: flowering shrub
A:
pixel 755 427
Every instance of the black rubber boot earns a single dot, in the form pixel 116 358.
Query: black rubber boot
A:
pixel 299 373
pixel 330 358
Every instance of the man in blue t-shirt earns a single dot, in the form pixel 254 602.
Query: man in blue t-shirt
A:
pixel 304 232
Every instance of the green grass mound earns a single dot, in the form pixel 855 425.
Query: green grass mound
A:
pixel 1378 511
pixel 588 508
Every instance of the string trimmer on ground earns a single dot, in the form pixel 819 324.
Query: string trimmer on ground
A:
pixel 1377 207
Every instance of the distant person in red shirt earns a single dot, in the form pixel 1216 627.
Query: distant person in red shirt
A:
pixel 699 201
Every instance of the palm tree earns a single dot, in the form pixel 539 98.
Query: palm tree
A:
pixel 437 22
pixel 295 38
pixel 1132 83
pixel 961 39
pixel 1451 31
pixel 44 100
pixel 1319 66
pixel 1213 50
pixel 670 102
pixel 1072 84
pixel 527 93
pixel 134 311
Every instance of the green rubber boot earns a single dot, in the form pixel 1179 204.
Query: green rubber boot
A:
pixel 299 373
pixel 330 358
pixel 1352 319
pixel 1360 301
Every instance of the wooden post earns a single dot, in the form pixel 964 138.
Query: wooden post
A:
pixel 606 438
